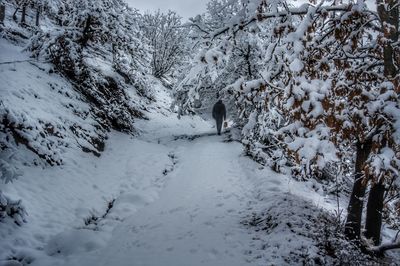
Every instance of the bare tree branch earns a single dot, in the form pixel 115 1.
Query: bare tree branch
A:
pixel 382 248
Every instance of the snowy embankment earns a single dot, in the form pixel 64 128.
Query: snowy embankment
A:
pixel 42 111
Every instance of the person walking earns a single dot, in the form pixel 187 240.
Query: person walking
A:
pixel 219 114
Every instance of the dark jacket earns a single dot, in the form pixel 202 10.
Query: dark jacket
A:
pixel 219 111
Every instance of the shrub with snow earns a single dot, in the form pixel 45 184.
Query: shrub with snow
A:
pixel 11 210
pixel 293 231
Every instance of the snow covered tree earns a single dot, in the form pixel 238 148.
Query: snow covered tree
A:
pixel 221 62
pixel 388 12
pixel 24 5
pixel 166 37
pixel 328 89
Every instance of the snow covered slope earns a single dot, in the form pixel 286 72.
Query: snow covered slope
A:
pixel 42 112
pixel 64 89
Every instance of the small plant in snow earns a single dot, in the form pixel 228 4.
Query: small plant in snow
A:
pixel 11 210
pixel 8 172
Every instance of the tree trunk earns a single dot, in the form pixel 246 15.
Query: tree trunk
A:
pixel 388 11
pixel 389 14
pixel 374 213
pixel 354 210
pixel 23 15
pixel 2 13
pixel 15 14
pixel 37 16
pixel 86 34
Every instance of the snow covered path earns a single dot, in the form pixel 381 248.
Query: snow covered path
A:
pixel 196 219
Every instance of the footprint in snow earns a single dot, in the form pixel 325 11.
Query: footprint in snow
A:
pixel 229 196
pixel 193 250
pixel 176 209
pixel 213 253
pixel 276 182
pixel 210 224
pixel 274 189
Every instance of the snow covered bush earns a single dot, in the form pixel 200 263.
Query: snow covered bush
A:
pixel 8 171
pixel 15 129
pixel 11 210
pixel 292 231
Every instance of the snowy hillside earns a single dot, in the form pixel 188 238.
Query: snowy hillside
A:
pixel 55 97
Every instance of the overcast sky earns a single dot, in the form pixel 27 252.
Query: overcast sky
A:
pixel 188 8
pixel 185 8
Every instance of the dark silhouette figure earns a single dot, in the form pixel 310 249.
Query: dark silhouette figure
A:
pixel 219 114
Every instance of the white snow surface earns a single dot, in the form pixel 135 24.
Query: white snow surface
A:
pixel 180 194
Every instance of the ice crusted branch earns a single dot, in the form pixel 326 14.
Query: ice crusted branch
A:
pixel 303 10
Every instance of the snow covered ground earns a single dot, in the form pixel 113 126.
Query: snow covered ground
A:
pixel 176 195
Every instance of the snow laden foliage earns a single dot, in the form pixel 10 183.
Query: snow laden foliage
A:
pixel 8 171
pixel 11 210
pixel 217 63
pixel 96 62
pixel 307 237
pixel 166 37
pixel 94 31
pixel 313 86
pixel 320 93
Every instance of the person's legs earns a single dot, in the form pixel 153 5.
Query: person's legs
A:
pixel 219 126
